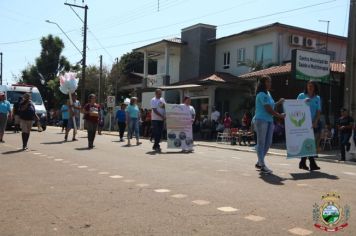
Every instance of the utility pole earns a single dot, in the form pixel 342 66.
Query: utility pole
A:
pixel 0 68
pixel 330 77
pixel 100 76
pixel 350 80
pixel 82 81
pixel 116 79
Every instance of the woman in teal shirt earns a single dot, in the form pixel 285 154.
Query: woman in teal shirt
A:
pixel 263 120
pixel 5 112
pixel 133 119
pixel 311 97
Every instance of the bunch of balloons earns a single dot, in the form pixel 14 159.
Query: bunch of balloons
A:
pixel 68 83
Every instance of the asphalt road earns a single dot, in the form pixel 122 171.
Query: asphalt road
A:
pixel 59 188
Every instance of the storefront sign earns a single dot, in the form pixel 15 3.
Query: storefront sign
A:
pixel 179 127
pixel 110 101
pixel 299 131
pixel 308 65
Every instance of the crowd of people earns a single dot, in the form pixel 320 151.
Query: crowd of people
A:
pixel 266 123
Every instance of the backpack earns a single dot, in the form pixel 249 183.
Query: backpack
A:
pixel 27 113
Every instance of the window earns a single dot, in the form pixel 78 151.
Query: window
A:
pixel 241 55
pixel 332 55
pixel 264 54
pixel 226 60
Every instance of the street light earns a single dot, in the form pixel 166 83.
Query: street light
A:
pixel 51 22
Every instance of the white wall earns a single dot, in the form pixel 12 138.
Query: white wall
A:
pixel 249 43
pixel 174 61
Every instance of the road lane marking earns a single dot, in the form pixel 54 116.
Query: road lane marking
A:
pixel 236 158
pixel 92 169
pixel 103 173
pixel 162 190
pixel 201 202
pixel 74 164
pixel 227 209
pixel 349 173
pixel 142 185
pixel 58 159
pixel 284 164
pixel 36 153
pixel 179 196
pixel 255 218
pixel 128 181
pixel 116 176
pixel 222 170
pixel 82 167
pixel 43 155
pixel 302 185
pixel 50 157
pixel 300 231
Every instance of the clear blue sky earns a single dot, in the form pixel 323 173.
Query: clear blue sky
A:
pixel 118 26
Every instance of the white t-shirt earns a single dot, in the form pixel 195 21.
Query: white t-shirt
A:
pixel 159 105
pixel 215 116
pixel 191 110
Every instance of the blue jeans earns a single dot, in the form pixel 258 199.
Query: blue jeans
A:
pixel 264 131
pixel 133 128
pixel 157 128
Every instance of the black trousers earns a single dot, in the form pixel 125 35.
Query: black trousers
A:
pixel 344 144
pixel 91 128
pixel 157 128
pixel 122 127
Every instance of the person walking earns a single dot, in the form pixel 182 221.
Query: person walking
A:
pixel 344 125
pixel 121 121
pixel 92 117
pixel 74 111
pixel 312 98
pixel 264 113
pixel 187 104
pixel 158 117
pixel 16 115
pixel 5 114
pixel 215 118
pixel 65 116
pixel 132 120
pixel 27 116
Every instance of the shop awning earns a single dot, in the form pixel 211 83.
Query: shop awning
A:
pixel 183 86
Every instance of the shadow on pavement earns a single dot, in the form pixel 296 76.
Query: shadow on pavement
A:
pixel 53 143
pixel 313 175
pixel 272 179
pixel 82 149
pixel 13 152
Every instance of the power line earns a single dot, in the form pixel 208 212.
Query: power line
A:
pixel 276 13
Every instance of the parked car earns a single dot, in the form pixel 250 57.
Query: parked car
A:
pixel 13 92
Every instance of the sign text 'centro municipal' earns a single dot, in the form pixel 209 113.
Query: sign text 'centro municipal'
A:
pixel 308 65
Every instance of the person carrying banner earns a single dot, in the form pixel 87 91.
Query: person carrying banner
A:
pixel 74 113
pixel 264 114
pixel 186 102
pixel 158 117
pixel 312 98
pixel 344 125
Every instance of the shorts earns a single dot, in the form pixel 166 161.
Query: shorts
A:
pixel 26 126
pixel 17 119
pixel 3 122
pixel 71 124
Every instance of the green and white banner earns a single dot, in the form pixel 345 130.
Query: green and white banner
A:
pixel 179 127
pixel 309 65
pixel 299 129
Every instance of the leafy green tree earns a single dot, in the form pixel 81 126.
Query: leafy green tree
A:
pixel 43 74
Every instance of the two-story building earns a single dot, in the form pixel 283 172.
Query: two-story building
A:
pixel 217 71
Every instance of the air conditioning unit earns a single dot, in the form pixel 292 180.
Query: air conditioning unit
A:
pixel 309 43
pixel 296 40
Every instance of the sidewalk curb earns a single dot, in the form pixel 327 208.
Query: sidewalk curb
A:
pixel 252 151
pixel 275 154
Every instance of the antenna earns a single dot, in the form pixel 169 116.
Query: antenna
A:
pixel 157 5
